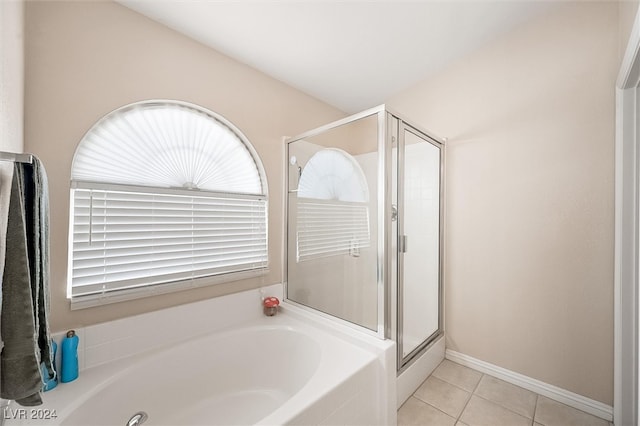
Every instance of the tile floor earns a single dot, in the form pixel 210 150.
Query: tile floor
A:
pixel 455 395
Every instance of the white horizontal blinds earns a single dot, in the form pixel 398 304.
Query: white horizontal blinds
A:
pixel 124 239
pixel 164 192
pixel 331 228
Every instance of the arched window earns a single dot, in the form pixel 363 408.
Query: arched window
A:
pixel 165 195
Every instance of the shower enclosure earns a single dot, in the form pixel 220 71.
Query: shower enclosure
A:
pixel 364 227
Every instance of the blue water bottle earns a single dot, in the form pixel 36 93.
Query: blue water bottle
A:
pixel 69 357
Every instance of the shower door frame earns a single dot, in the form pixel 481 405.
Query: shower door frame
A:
pixel 626 381
pixel 384 208
pixel 404 361
pixel 389 125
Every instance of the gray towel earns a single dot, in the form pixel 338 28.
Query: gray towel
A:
pixel 25 288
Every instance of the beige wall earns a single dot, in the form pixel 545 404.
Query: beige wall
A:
pixel 85 59
pixel 530 192
pixel 11 101
pixel 627 12
pixel 11 74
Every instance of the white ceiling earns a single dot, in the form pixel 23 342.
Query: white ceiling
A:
pixel 351 54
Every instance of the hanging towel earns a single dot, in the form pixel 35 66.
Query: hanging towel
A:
pixel 40 274
pixel 6 177
pixel 25 288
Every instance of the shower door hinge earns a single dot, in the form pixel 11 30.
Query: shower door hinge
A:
pixel 402 243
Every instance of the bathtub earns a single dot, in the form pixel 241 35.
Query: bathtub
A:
pixel 286 369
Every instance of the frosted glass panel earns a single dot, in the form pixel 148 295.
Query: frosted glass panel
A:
pixel 421 214
pixel 332 222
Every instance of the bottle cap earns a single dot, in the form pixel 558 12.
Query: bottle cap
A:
pixel 270 302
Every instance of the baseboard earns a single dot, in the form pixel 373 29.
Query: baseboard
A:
pixel 553 392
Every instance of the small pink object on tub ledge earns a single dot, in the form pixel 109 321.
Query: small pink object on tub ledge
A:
pixel 270 306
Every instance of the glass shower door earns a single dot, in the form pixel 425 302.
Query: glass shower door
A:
pixel 333 221
pixel 364 227
pixel 419 165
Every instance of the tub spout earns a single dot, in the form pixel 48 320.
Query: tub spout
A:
pixel 137 419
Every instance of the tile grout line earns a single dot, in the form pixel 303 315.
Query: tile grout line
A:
pixel 478 384
pixel 413 395
pixel 473 392
pixel 434 407
pixel 535 408
pixel 504 407
pixel 532 421
pixel 562 396
pixel 458 386
pixel 465 406
pixel 501 405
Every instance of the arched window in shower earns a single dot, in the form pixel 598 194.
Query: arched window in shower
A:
pixel 333 210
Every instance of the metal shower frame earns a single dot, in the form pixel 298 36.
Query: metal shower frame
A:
pixel 389 126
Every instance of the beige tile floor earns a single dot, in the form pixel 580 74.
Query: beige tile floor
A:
pixel 455 395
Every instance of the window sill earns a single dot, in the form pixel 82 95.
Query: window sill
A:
pixel 90 301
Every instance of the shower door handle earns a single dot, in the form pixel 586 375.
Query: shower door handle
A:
pixel 402 243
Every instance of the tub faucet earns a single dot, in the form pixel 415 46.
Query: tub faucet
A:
pixel 137 419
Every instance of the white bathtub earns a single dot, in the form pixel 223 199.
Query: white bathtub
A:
pixel 286 369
